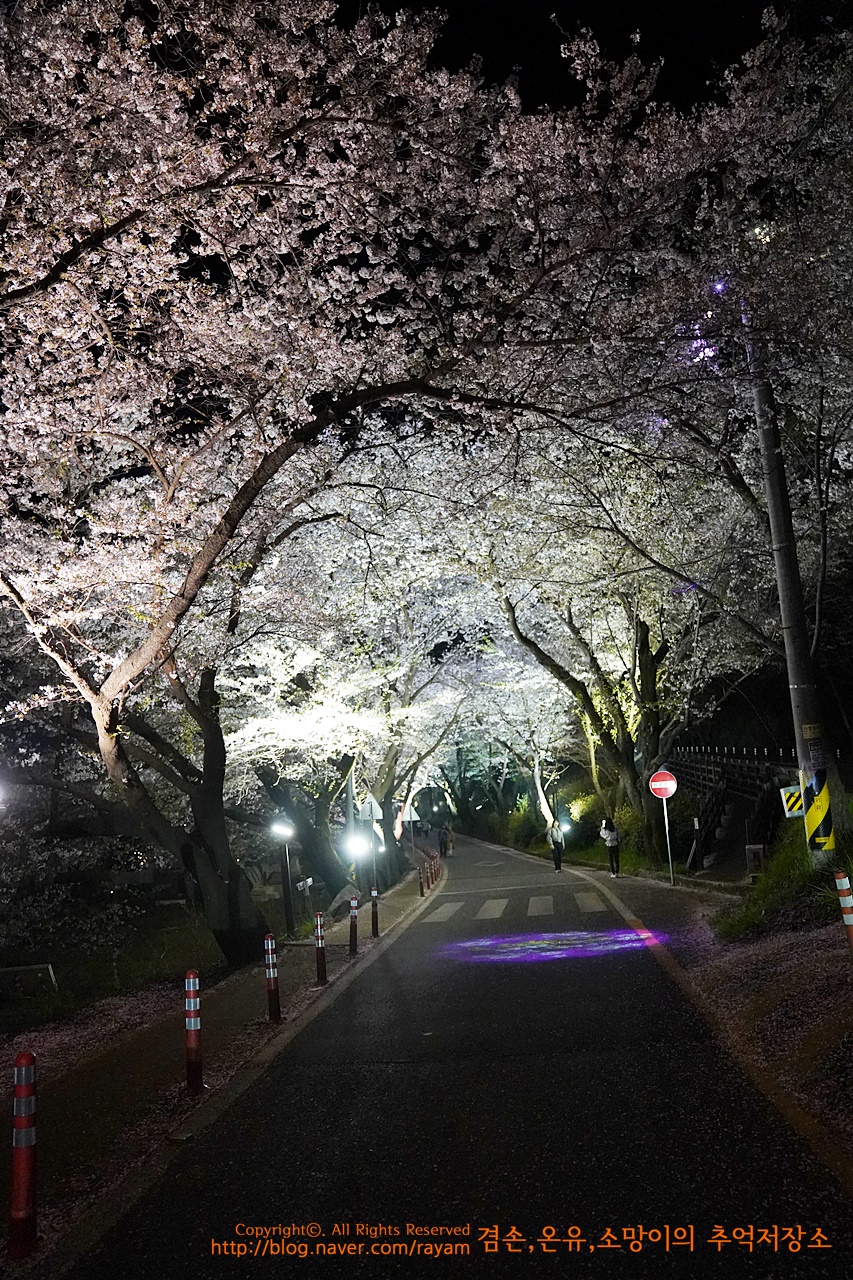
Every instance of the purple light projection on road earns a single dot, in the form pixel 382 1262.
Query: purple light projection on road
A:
pixel 528 947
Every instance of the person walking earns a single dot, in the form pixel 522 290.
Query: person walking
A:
pixel 442 842
pixel 449 841
pixel 610 836
pixel 554 837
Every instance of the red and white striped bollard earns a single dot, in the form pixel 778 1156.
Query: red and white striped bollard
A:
pixel 320 947
pixel 842 884
pixel 192 1006
pixel 353 925
pixel 271 967
pixel 22 1209
pixel 374 913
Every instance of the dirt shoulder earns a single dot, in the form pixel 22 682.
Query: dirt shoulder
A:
pixel 786 1001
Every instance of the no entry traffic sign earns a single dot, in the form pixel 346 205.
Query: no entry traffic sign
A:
pixel 663 784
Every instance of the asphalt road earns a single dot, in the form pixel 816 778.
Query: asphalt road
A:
pixel 518 1061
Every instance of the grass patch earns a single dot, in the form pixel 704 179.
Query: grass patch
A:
pixel 791 893
pixel 165 943
pixel 595 855
pixel 162 943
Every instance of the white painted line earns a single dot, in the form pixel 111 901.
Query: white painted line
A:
pixel 543 906
pixel 514 888
pixel 590 901
pixel 443 912
pixel 492 909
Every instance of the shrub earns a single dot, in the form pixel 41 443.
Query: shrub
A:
pixel 629 824
pixel 497 826
pixel 587 810
pixel 524 825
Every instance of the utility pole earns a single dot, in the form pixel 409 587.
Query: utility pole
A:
pixel 808 730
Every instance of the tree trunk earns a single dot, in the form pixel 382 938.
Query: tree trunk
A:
pixel 225 897
pixel 204 852
pixel 396 861
pixel 541 798
pixel 654 833
pixel 313 833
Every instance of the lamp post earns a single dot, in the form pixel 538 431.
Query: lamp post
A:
pixel 356 846
pixel 370 811
pixel 285 831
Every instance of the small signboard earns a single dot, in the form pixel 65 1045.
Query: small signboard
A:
pixel 792 799
pixel 305 885
pixel 27 979
pixel 371 809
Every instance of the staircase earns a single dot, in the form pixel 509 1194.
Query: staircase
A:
pixel 724 855
pixel 740 806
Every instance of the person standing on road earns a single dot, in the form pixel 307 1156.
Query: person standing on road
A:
pixel 554 837
pixel 610 836
pixel 449 841
pixel 442 842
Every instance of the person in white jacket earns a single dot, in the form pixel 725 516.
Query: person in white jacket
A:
pixel 554 836
pixel 610 836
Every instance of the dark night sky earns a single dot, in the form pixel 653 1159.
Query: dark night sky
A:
pixel 696 39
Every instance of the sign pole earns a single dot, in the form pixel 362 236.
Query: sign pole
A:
pixel 663 784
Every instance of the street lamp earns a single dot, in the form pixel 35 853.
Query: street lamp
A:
pixel 285 831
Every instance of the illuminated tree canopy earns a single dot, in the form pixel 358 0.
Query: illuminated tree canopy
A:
pixel 348 412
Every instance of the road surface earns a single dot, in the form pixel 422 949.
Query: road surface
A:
pixel 517 1070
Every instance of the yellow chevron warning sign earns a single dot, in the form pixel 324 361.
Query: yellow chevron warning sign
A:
pixel 819 833
pixel 792 799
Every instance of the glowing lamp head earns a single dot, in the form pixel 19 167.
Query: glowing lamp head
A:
pixel 284 830
pixel 357 846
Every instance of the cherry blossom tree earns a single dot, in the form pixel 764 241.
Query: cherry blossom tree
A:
pixel 218 253
pixel 233 243
pixel 252 262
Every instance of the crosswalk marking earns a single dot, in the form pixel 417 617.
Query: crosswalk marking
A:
pixel 588 901
pixel 443 912
pixel 492 909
